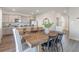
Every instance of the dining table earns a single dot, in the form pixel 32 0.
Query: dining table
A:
pixel 37 38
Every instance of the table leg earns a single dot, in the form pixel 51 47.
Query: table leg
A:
pixel 39 47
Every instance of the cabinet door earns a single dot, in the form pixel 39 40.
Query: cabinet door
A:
pixel 5 18
pixel 13 17
pixel 24 19
pixel 74 29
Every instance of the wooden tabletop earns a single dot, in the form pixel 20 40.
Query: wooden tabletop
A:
pixel 29 29
pixel 52 33
pixel 38 38
pixel 35 39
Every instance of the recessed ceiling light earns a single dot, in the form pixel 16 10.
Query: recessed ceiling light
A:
pixel 13 10
pixel 32 13
pixel 65 11
pixel 37 11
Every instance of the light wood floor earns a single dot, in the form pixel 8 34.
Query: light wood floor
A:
pixel 7 44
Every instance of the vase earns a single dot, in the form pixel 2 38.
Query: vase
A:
pixel 46 31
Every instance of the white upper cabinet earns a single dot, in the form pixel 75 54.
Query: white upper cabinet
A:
pixel 8 18
pixel 13 17
pixel 25 19
pixel 5 18
pixel 74 23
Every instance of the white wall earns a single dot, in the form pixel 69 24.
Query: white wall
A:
pixel 52 17
pixel 0 24
pixel 73 13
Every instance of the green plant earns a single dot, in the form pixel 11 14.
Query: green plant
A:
pixel 47 24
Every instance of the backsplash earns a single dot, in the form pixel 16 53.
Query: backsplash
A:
pixel 15 24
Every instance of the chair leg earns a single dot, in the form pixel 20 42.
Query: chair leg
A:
pixel 59 47
pixel 48 45
pixel 53 46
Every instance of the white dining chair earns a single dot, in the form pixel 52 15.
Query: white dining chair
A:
pixel 20 46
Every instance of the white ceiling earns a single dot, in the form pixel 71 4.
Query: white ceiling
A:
pixel 30 10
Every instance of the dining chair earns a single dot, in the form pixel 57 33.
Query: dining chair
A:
pixel 49 46
pixel 46 46
pixel 58 42
pixel 21 46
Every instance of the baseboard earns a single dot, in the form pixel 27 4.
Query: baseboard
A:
pixel 73 38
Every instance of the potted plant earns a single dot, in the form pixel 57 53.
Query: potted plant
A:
pixel 47 24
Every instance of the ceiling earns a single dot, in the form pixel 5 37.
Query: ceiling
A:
pixel 33 10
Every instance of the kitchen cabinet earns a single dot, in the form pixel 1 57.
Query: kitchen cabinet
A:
pixel 74 23
pixel 24 19
pixel 7 31
pixel 9 22
pixel 74 30
pixel 5 18
pixel 8 18
pixel 13 17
